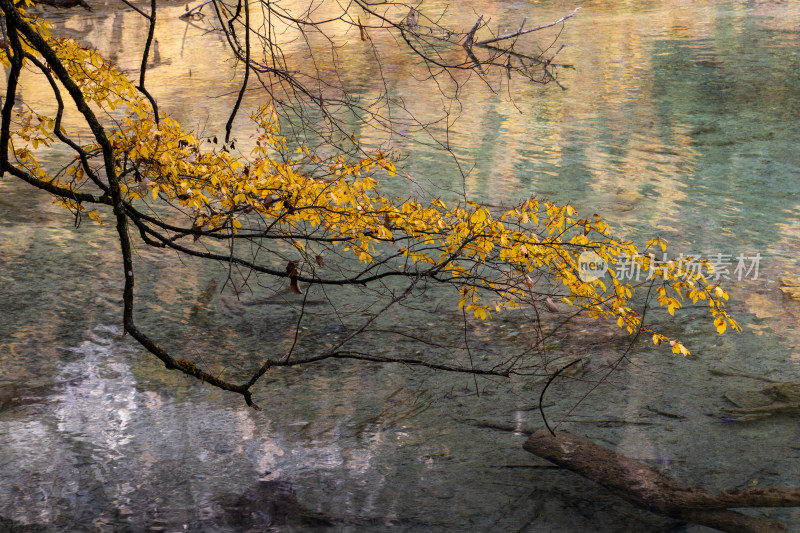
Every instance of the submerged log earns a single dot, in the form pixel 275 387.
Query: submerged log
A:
pixel 66 3
pixel 651 490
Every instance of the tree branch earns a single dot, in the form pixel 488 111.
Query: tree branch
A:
pixel 523 32
pixel 653 491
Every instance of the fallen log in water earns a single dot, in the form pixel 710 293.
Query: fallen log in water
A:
pixel 65 4
pixel 651 490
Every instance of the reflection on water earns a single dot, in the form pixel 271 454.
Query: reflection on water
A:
pixel 680 118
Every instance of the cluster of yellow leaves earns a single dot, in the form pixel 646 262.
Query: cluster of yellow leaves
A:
pixel 492 257
pixel 39 24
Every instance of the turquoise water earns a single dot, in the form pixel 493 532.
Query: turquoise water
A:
pixel 679 119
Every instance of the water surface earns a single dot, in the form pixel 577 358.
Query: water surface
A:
pixel 679 119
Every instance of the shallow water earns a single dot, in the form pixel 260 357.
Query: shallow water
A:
pixel 680 118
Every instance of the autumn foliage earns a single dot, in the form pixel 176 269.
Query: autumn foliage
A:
pixel 299 208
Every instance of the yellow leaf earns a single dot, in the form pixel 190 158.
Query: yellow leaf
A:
pixel 478 217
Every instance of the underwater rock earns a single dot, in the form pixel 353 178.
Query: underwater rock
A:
pixel 266 506
pixel 775 399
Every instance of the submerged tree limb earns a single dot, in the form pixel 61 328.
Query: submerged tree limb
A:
pixel 651 490
pixel 65 4
pixel 520 31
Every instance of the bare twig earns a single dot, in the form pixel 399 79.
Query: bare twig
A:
pixel 523 32
pixel 469 39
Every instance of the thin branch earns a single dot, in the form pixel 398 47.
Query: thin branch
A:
pixel 132 6
pixel 470 38
pixel 541 396
pixel 523 32
pixel 195 10
pixel 145 56
pixel 229 124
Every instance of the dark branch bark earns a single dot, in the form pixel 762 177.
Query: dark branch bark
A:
pixel 229 124
pixel 145 56
pixel 15 48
